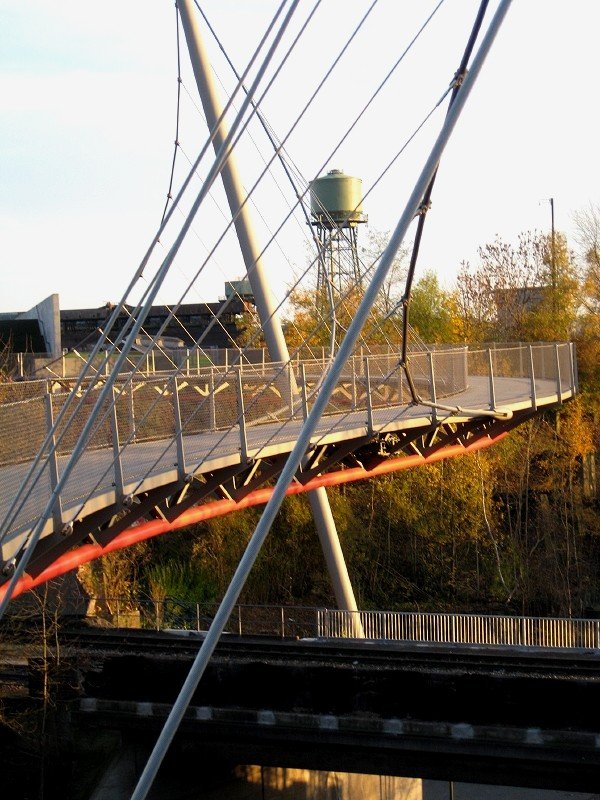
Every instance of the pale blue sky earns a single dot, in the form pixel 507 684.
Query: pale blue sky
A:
pixel 87 105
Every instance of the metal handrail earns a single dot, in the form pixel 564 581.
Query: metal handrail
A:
pixel 168 408
pixel 470 629
pixel 441 628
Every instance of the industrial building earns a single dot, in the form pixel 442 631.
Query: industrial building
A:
pixel 46 331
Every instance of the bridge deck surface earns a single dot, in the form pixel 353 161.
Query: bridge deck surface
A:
pixel 147 465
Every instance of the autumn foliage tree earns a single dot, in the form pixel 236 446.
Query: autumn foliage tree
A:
pixel 588 328
pixel 510 529
pixel 522 292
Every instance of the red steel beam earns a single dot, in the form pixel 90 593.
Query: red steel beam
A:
pixel 217 508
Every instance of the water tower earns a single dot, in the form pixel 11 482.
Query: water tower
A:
pixel 336 210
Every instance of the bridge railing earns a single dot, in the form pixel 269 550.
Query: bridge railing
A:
pixel 168 407
pixel 476 629
pixel 162 406
pixel 170 613
pixel 231 405
pixel 190 360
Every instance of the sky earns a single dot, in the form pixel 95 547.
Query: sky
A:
pixel 88 111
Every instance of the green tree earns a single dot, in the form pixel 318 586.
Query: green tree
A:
pixel 430 310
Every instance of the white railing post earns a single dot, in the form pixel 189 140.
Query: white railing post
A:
pixel 491 378
pixel 304 396
pixel 369 398
pixel 241 416
pixel 573 363
pixel 532 378
pixel 178 429
pixel 212 408
pixel 291 387
pixel 432 380
pixel 558 379
pixel 57 512
pixel 117 463
pixel 131 413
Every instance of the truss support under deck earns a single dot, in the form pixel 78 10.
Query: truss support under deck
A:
pixel 265 303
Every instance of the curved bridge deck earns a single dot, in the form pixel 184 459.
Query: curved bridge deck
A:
pixel 179 440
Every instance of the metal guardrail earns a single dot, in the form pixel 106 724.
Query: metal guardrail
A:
pixel 188 360
pixel 182 615
pixel 156 407
pixel 162 407
pixel 168 408
pixel 324 623
pixel 476 629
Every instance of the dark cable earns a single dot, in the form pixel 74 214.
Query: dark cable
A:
pixel 425 203
pixel 176 145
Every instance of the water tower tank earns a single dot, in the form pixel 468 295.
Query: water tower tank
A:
pixel 337 197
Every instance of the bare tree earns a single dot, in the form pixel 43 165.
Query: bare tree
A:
pixel 523 291
pixel 588 239
pixel 393 286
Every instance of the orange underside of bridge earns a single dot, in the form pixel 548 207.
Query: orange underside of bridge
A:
pixel 217 508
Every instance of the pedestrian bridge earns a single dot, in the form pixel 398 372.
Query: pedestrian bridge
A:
pixel 163 443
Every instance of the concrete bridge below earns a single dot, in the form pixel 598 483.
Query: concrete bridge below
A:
pixel 460 713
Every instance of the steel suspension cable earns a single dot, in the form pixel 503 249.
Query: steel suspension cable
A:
pixel 358 115
pixel 123 388
pixel 51 441
pixel 176 144
pixel 293 462
pixel 281 369
pixel 273 139
pixel 310 101
pixel 157 281
pixel 299 117
pixel 426 201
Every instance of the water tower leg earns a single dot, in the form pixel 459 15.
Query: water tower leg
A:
pixel 265 302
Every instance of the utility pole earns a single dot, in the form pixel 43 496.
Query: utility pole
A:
pixel 553 256
pixel 553 276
